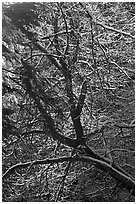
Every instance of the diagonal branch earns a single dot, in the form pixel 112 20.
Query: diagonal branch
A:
pixel 115 30
pixel 120 68
pixel 105 26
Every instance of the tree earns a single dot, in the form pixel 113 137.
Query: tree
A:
pixel 68 101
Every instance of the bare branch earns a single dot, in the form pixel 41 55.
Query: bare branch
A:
pixel 115 30
pixel 127 181
pixel 120 68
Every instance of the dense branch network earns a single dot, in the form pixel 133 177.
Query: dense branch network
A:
pixel 75 104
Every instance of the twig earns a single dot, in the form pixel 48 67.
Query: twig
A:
pixel 64 17
pixel 56 34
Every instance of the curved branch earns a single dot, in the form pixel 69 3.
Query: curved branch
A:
pixel 126 181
